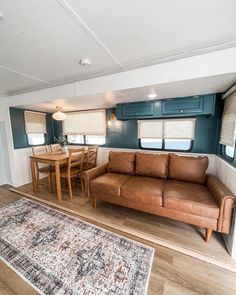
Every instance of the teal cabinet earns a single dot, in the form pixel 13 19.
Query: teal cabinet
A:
pixel 200 105
pixel 191 105
pixel 135 110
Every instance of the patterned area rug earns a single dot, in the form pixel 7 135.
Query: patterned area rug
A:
pixel 59 254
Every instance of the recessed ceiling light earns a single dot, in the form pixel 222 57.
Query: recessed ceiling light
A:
pixel 85 62
pixel 152 95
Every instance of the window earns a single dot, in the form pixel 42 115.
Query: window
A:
pixel 86 127
pixel 86 139
pixel 76 139
pixel 229 151
pixel 169 134
pixel 35 127
pixel 36 139
pixel 95 139
pixel 151 143
pixel 228 128
pixel 177 144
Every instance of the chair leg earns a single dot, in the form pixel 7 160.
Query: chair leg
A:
pixel 70 187
pixel 82 184
pixel 49 183
pixel 94 203
pixel 37 180
pixel 208 234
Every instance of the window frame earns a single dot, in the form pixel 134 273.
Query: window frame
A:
pixel 224 155
pixel 163 147
pixel 86 144
pixel 45 139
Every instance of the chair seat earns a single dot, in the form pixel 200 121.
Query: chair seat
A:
pixel 73 171
pixel 143 190
pixel 190 198
pixel 108 183
pixel 46 169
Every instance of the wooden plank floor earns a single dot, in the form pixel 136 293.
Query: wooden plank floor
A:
pixel 172 273
pixel 168 232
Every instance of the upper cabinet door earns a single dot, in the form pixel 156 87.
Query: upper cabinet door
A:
pixel 187 105
pixel 135 110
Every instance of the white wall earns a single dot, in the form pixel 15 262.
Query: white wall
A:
pixel 227 174
pixel 4 160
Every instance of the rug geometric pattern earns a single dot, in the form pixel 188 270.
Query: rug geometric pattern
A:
pixel 62 255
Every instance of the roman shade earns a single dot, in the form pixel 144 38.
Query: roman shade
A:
pixel 167 129
pixel 35 122
pixel 85 123
pixel 227 136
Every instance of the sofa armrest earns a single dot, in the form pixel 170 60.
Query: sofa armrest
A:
pixel 90 174
pixel 225 200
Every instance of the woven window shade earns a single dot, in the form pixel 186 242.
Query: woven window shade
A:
pixel 167 129
pixel 150 129
pixel 85 123
pixel 179 129
pixel 227 136
pixel 35 123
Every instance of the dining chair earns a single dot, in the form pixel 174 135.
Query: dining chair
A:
pixel 43 168
pixel 55 147
pixel 90 160
pixel 74 169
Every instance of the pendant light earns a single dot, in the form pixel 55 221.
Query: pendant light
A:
pixel 59 115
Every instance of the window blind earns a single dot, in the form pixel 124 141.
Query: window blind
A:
pixel 85 123
pixel 227 136
pixel 35 123
pixel 167 129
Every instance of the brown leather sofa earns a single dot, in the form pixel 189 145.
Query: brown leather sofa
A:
pixel 164 184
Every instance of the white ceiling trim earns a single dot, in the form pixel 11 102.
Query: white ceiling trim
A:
pixel 72 13
pixel 23 74
pixel 188 53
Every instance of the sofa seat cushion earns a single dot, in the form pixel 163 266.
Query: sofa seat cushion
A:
pixel 190 198
pixel 144 190
pixel 153 165
pixel 108 183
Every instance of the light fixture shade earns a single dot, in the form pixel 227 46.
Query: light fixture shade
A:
pixel 59 115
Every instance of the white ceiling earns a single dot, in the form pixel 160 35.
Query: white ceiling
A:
pixel 214 84
pixel 42 40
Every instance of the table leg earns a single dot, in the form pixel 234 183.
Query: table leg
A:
pixel 32 165
pixel 58 181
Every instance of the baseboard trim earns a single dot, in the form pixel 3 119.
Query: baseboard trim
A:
pixel 135 233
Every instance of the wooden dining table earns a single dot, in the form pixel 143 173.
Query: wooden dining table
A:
pixel 55 159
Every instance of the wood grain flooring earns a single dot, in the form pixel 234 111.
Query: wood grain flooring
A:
pixel 173 273
pixel 179 236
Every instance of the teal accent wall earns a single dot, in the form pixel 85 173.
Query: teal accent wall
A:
pixel 123 134
pixel 18 128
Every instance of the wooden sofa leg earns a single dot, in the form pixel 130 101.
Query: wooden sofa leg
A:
pixel 208 234
pixel 94 203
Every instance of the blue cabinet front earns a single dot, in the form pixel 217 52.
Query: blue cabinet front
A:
pixel 135 110
pixel 177 107
pixel 187 105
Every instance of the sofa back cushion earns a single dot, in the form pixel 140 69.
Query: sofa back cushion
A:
pixel 153 165
pixel 121 162
pixel 190 169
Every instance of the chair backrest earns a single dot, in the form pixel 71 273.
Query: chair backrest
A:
pixel 76 159
pixel 40 149
pixel 91 159
pixel 55 147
